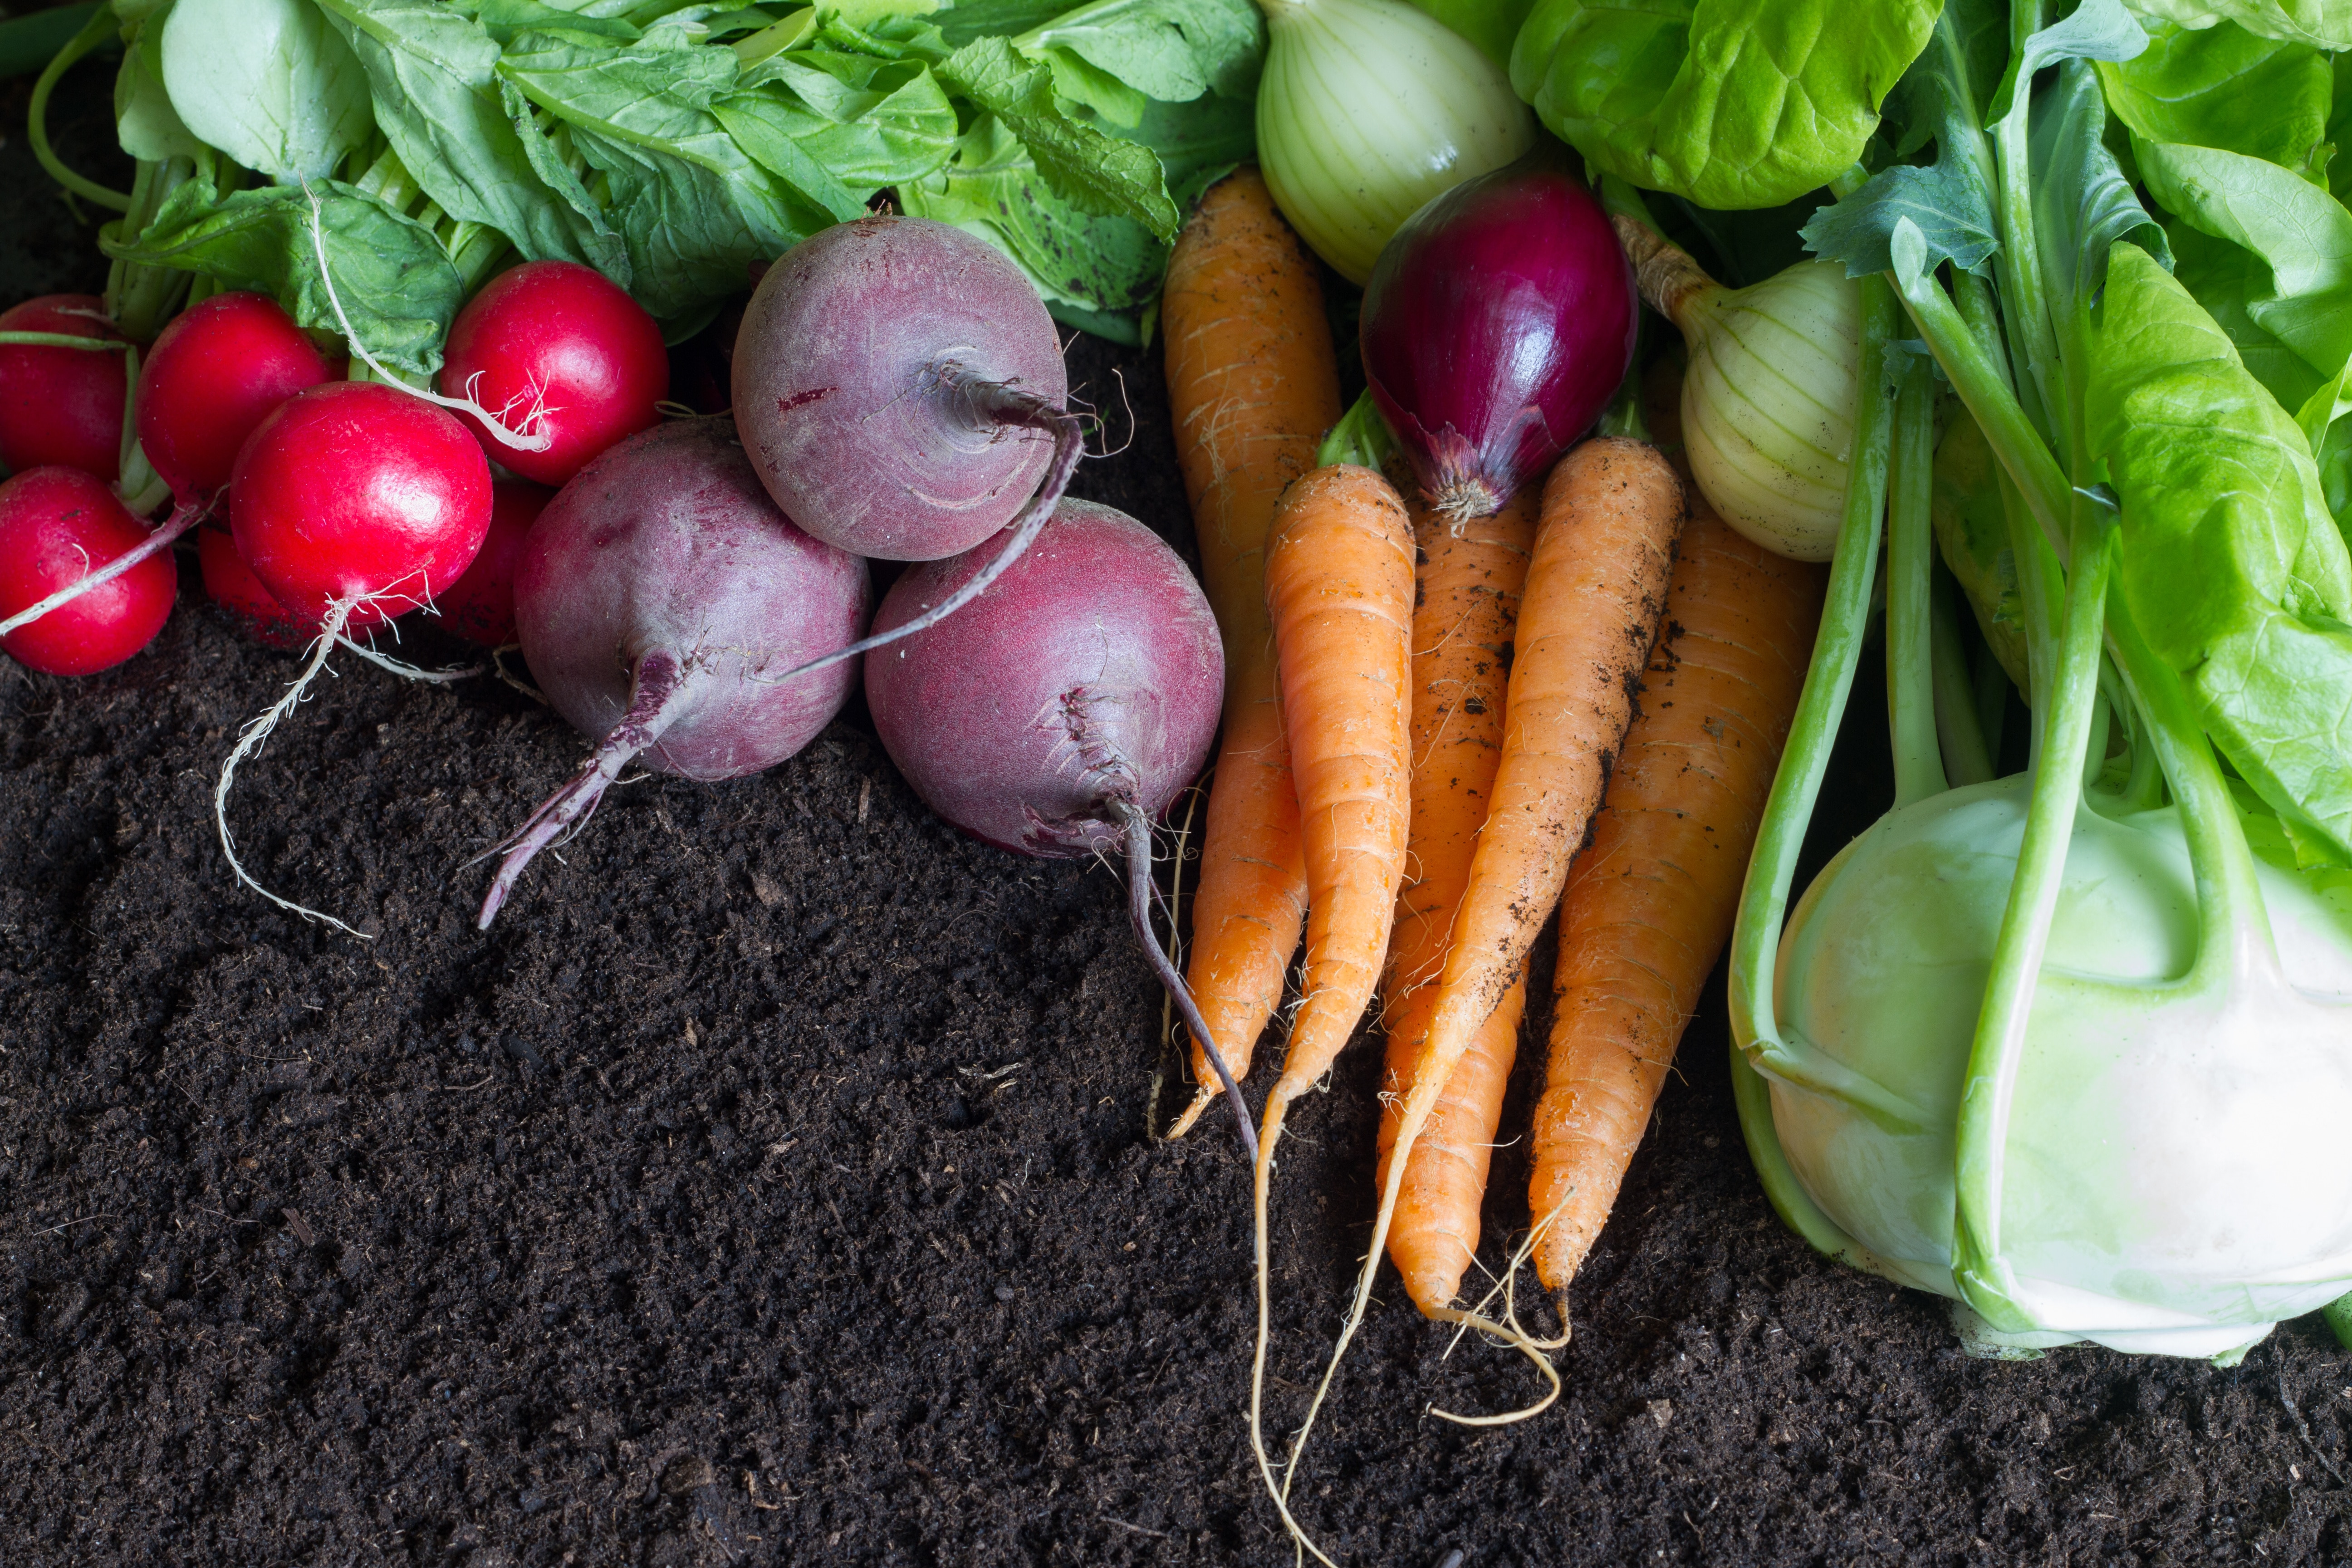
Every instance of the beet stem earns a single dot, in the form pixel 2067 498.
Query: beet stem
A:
pixel 655 704
pixel 1139 891
pixel 989 403
pixel 182 518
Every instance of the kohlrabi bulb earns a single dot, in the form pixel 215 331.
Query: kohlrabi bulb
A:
pixel 2178 1171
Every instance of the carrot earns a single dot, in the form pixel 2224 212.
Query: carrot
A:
pixel 1594 592
pixel 1650 902
pixel 1339 585
pixel 1253 385
pixel 1465 609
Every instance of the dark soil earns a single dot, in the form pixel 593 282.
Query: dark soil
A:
pixel 774 1184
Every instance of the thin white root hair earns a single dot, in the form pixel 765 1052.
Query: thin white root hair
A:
pixel 410 671
pixel 498 667
pixel 533 437
pixel 1269 1134
pixel 250 741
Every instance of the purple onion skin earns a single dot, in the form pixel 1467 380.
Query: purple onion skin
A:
pixel 1496 326
pixel 1088 679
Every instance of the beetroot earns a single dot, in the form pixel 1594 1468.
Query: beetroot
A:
pixel 1066 709
pixel 56 524
pixel 479 606
pixel 355 499
pixel 221 368
pixel 61 405
pixel 658 599
pixel 559 350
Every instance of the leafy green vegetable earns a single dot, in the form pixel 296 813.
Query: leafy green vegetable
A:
pixel 868 122
pixel 1120 54
pixel 268 82
pixel 1097 174
pixel 1972 533
pixel 1492 25
pixel 1732 103
pixel 395 282
pixel 2231 565
pixel 2226 88
pixel 2323 23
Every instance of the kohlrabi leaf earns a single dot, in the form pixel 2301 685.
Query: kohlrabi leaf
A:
pixel 2302 234
pixel 1095 174
pixel 2096 30
pixel 434 78
pixel 2226 88
pixel 2322 24
pixel 866 122
pixel 2081 202
pixel 144 121
pixel 2230 565
pixel 268 82
pixel 395 283
pixel 1732 103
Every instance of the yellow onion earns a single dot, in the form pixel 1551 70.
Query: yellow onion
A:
pixel 1367 109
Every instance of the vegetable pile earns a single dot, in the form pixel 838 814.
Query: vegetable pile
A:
pixel 2010 339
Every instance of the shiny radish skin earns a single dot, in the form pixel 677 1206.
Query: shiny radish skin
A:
pixel 230 583
pixel 60 405
pixel 55 525
pixel 480 606
pixel 657 600
pixel 1497 325
pixel 355 490
pixel 556 349
pixel 216 373
pixel 839 395
pixel 1090 673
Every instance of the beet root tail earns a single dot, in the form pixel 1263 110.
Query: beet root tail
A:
pixel 1137 829
pixel 656 702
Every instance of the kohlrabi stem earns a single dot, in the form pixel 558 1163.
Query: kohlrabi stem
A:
pixel 1829 680
pixel 1910 582
pixel 1986 1094
pixel 1959 739
pixel 1137 827
pixel 1007 407
pixel 2041 590
pixel 182 520
pixel 102 27
pixel 1991 685
pixel 657 693
pixel 2034 338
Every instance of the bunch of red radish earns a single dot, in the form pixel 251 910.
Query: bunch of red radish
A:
pixel 694 594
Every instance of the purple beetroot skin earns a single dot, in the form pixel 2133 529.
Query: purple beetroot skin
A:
pixel 869 380
pixel 657 599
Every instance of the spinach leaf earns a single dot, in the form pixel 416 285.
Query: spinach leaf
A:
pixel 1732 103
pixel 2323 23
pixel 858 123
pixel 149 128
pixel 2226 88
pixel 396 284
pixel 2230 564
pixel 1095 174
pixel 1171 50
pixel 507 20
pixel 433 76
pixel 268 82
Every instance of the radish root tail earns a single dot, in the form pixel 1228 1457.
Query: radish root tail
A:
pixel 656 699
pixel 1139 913
pixel 989 403
pixel 182 518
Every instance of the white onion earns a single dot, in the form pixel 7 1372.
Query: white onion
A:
pixel 1367 109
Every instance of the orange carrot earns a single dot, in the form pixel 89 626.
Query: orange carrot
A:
pixel 1339 585
pixel 1594 592
pixel 1651 899
pixel 1465 609
pixel 1253 385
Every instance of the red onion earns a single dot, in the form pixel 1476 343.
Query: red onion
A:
pixel 1496 326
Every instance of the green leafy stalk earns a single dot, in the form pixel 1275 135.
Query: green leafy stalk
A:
pixel 1910 578
pixel 100 29
pixel 1361 437
pixel 1959 731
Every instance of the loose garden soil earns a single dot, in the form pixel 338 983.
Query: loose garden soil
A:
pixel 775 1184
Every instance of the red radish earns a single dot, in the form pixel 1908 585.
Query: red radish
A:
pixel 658 599
pixel 479 606
pixel 1065 710
pixel 221 368
pixel 56 524
pixel 61 404
pixel 232 586
pixel 899 387
pixel 356 494
pixel 1496 326
pixel 558 350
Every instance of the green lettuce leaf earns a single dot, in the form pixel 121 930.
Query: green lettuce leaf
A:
pixel 866 123
pixel 1732 103
pixel 394 282
pixel 2231 562
pixel 2322 24
pixel 2229 89
pixel 1095 174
